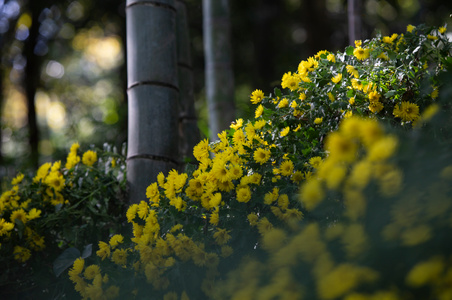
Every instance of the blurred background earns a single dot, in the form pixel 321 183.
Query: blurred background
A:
pixel 63 73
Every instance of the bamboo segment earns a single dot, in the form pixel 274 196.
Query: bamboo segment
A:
pixel 153 93
pixel 218 65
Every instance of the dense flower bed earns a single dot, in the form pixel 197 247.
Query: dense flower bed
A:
pixel 243 201
pixel 63 206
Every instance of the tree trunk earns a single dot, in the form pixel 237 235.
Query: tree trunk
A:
pixel 218 65
pixel 354 21
pixel 188 125
pixel 152 93
pixel 31 81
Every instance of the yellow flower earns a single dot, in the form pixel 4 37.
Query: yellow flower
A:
pixel 89 158
pixel 331 57
pixel 119 257
pixel 311 193
pixel 337 78
pixel 116 240
pixel 352 71
pixel 341 147
pixel 243 194
pixel 21 254
pixel 283 103
pixel 318 121
pixel 5 226
pixel 290 81
pixel 361 53
pixel 200 152
pixel 432 37
pixel 410 28
pixel 259 111
pixel 302 96
pixel 426 272
pixel 55 180
pixel 358 43
pixel 77 267
pixel 237 124
pixel 18 179
pixel 331 97
pixel 390 39
pixel 253 219
pixel 91 271
pixel 442 30
pixel 257 96
pixel 34 214
pixel 104 250
pixel 42 172
pixel 284 132
pixel 221 236
pixel 19 214
pixel 351 101
pixel 407 111
pixel 286 168
pixel 375 106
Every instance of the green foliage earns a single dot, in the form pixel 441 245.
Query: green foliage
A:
pixel 62 208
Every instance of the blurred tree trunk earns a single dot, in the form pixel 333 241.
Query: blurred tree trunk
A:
pixel 188 126
pixel 31 81
pixel 317 26
pixel 218 65
pixel 152 93
pixel 354 20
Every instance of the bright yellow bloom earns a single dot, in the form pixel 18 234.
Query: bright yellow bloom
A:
pixel 341 147
pixel 375 106
pixel 116 240
pixel 200 151
pixel 237 124
pixel 18 179
pixel 302 96
pixel 119 257
pixel 19 214
pixel 442 30
pixel 55 180
pixel 390 39
pixel 286 168
pixel 257 96
pixel 283 103
pixel 352 71
pixel 432 37
pixel 358 43
pixel 42 172
pixel 361 53
pixel 284 132
pixel 407 111
pixel 318 121
pixel 410 28
pixel 331 57
pixel 337 78
pixel 259 111
pixel 89 158
pixel 34 214
pixel 290 81
pixel 315 161
pixel 5 226
pixel 244 194
pixel 104 250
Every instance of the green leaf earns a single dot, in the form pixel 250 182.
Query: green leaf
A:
pixel 349 50
pixel 390 93
pixel 278 92
pixel 65 260
pixel 87 251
